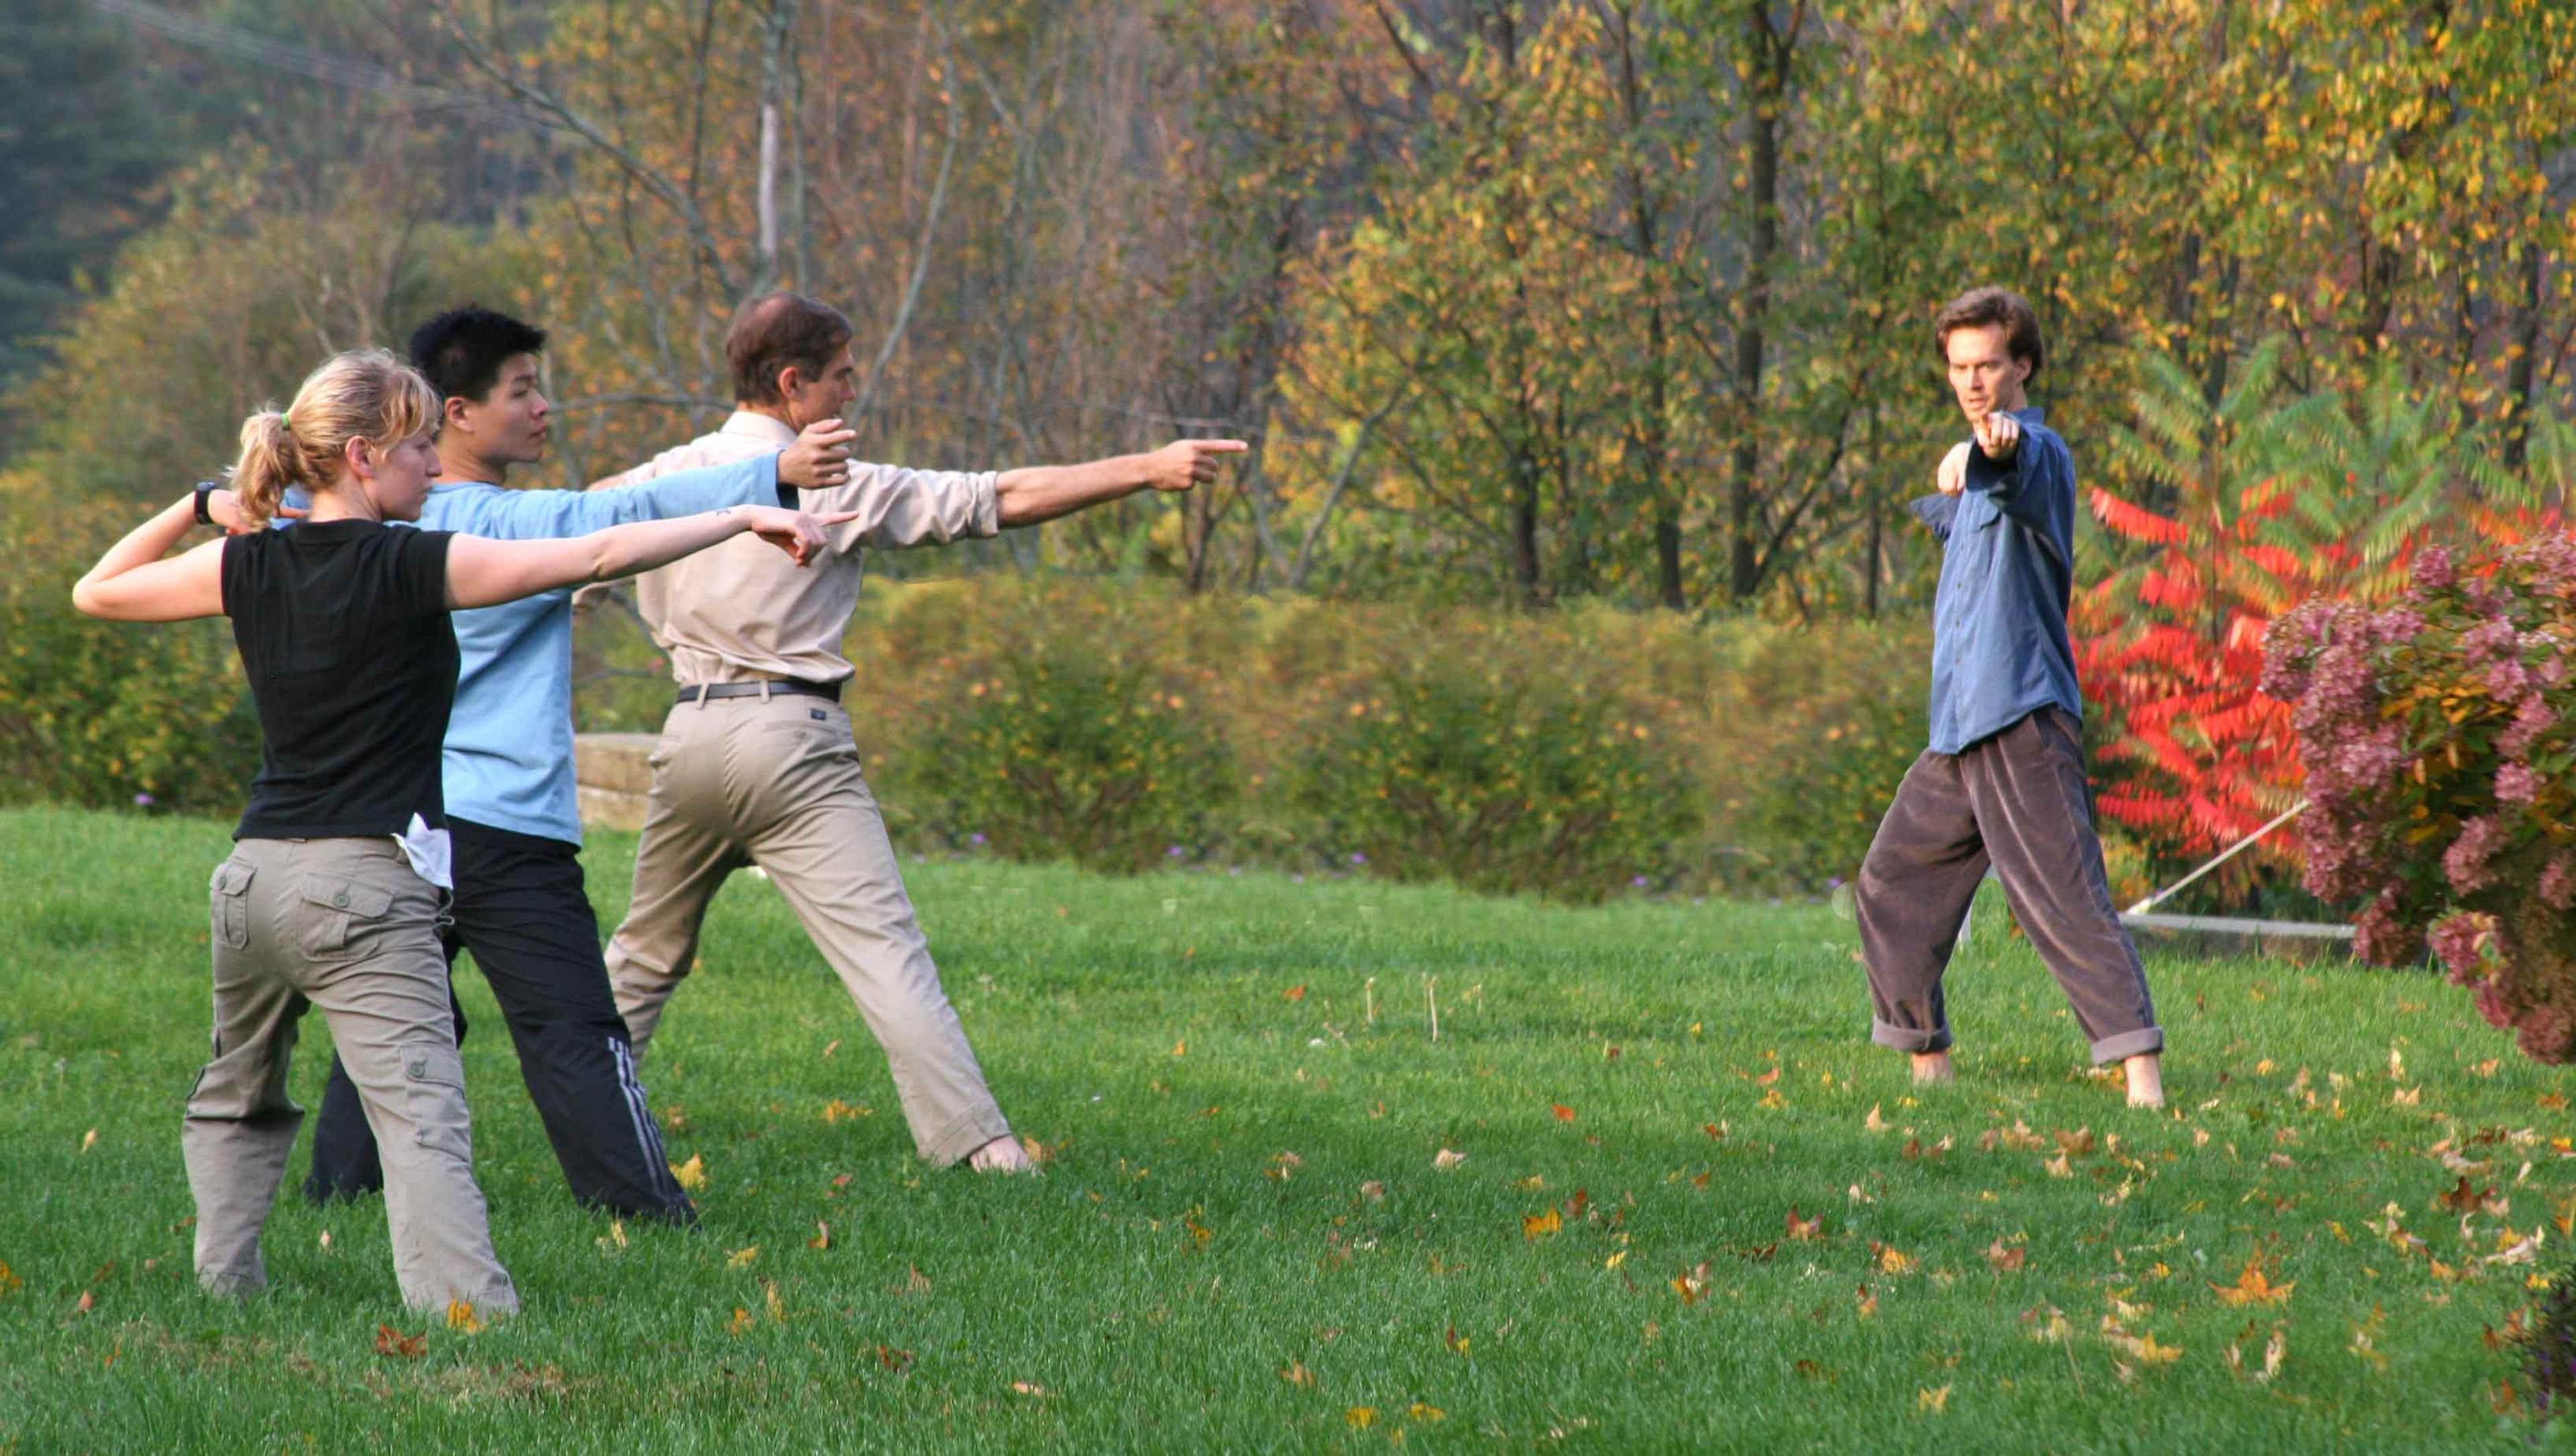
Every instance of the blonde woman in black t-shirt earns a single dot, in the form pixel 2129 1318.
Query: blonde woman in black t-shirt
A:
pixel 338 876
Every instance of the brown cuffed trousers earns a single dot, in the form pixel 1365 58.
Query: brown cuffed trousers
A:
pixel 345 925
pixel 775 781
pixel 2017 800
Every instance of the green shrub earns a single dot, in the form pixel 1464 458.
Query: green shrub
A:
pixel 984 706
pixel 1059 737
pixel 1501 777
pixel 1803 738
pixel 109 713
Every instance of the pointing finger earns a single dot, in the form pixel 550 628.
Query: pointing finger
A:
pixel 1218 447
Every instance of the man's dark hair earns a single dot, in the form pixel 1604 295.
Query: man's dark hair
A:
pixel 1981 307
pixel 776 330
pixel 463 349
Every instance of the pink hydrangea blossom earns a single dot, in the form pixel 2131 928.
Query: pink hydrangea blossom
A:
pixel 2458 938
pixel 2558 883
pixel 2468 863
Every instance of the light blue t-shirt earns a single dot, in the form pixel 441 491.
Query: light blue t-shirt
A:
pixel 509 740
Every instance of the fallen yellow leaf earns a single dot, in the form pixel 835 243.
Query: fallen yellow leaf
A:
pixel 691 1175
pixel 2146 1351
pixel 2253 1287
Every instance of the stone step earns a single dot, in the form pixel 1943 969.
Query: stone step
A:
pixel 615 774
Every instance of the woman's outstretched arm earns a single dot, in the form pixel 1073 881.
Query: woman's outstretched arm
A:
pixel 134 583
pixel 483 573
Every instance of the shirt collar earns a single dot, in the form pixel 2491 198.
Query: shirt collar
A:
pixel 759 427
pixel 2029 414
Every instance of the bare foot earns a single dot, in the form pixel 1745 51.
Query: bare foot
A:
pixel 2146 1080
pixel 1932 1067
pixel 1002 1155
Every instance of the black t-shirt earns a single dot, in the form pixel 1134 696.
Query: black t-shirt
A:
pixel 344 633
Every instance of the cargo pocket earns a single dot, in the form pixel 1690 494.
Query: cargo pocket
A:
pixel 338 914
pixel 434 1099
pixel 228 904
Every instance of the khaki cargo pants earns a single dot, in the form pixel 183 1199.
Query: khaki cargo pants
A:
pixel 775 781
pixel 348 926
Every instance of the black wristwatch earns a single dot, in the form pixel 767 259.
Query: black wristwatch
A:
pixel 205 490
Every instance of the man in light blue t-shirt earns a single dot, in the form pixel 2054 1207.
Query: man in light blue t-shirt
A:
pixel 512 810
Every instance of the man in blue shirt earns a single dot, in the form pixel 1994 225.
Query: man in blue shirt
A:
pixel 2003 782
pixel 511 800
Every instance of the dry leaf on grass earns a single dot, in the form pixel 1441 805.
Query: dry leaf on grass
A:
pixel 395 1345
pixel 2253 1287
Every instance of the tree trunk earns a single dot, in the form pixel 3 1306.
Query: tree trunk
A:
pixel 1769 82
pixel 2524 369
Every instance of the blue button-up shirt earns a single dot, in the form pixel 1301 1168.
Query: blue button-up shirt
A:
pixel 1999 644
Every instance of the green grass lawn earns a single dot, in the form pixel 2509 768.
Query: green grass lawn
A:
pixel 1242 1239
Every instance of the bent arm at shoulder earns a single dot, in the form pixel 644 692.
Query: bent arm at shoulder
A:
pixel 178 589
pixel 133 583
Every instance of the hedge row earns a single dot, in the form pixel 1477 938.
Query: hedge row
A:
pixel 1573 754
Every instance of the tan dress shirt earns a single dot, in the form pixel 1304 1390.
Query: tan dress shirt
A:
pixel 741 611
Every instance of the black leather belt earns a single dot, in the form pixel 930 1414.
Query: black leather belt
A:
pixel 798 686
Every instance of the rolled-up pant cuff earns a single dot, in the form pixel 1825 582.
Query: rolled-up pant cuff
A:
pixel 233 1283
pixel 1909 1038
pixel 959 1140
pixel 2128 1044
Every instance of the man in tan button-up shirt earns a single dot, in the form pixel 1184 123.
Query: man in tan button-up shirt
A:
pixel 757 764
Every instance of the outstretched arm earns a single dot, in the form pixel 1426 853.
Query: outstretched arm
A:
pixel 2027 475
pixel 483 573
pixel 1044 492
pixel 133 583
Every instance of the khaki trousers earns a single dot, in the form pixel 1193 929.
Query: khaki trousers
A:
pixel 348 926
pixel 775 781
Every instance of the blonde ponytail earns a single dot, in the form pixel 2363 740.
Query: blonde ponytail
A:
pixel 364 394
pixel 268 465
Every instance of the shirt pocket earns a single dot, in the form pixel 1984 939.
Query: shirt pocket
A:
pixel 341 915
pixel 228 904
